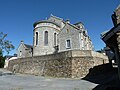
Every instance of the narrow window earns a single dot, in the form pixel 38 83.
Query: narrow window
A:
pixel 68 45
pixel 55 37
pixel 36 38
pixel 20 53
pixel 80 39
pixel 46 38
pixel 67 31
pixel 82 44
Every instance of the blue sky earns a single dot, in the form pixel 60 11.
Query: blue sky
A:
pixel 17 17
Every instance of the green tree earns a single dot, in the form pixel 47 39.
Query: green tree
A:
pixel 5 45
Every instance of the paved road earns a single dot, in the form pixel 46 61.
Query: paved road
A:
pixel 30 82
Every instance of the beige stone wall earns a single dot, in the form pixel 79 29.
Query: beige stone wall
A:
pixel 81 66
pixel 65 64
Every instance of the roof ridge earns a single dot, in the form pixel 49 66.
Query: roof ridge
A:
pixel 78 23
pixel 56 17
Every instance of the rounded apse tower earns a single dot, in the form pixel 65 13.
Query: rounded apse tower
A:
pixel 45 37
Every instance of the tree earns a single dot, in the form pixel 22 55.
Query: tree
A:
pixel 5 45
pixel 2 60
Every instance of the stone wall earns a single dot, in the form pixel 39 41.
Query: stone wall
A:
pixel 69 64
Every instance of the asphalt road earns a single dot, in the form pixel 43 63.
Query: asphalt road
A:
pixel 30 82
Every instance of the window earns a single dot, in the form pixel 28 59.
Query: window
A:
pixel 55 37
pixel 20 53
pixel 46 38
pixel 36 38
pixel 67 30
pixel 82 44
pixel 68 44
pixel 80 39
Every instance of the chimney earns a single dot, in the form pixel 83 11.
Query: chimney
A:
pixel 22 41
pixel 67 21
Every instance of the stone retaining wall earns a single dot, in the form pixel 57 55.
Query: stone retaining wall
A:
pixel 69 64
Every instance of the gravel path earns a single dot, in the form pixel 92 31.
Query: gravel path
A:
pixel 9 81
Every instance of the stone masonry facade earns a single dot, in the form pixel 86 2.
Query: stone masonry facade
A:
pixel 69 64
pixel 55 35
pixel 60 49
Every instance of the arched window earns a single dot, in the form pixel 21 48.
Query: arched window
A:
pixel 46 38
pixel 36 38
pixel 55 37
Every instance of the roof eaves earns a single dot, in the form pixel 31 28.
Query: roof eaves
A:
pixel 113 31
pixel 44 21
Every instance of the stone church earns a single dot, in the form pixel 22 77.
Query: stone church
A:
pixel 60 49
pixel 55 35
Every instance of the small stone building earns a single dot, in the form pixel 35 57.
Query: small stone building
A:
pixel 24 50
pixel 56 35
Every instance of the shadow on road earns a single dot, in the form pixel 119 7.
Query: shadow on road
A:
pixel 105 76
